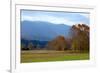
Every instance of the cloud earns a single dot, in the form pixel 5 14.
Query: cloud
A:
pixel 85 15
pixel 47 18
pixel 56 17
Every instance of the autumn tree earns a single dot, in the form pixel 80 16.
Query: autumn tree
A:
pixel 80 37
pixel 59 43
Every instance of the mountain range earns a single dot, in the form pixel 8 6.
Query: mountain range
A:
pixel 43 31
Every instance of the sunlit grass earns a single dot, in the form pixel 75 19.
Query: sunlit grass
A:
pixel 45 56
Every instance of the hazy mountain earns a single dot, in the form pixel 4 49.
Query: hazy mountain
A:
pixel 44 31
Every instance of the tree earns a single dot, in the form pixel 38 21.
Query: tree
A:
pixel 80 37
pixel 59 43
pixel 30 46
pixel 23 46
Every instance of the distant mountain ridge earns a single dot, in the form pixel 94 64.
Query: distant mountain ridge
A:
pixel 43 31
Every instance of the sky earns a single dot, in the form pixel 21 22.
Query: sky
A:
pixel 67 18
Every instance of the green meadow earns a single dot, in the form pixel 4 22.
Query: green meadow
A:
pixel 46 56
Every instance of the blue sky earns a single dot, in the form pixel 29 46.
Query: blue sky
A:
pixel 68 18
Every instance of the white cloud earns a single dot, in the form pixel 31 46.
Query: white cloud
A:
pixel 47 18
pixel 26 18
pixel 85 15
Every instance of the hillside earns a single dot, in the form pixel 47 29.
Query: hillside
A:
pixel 44 31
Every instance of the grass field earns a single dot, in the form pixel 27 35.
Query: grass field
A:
pixel 45 56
